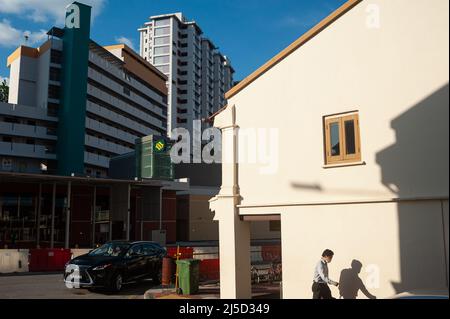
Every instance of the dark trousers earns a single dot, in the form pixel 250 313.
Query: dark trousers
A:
pixel 321 291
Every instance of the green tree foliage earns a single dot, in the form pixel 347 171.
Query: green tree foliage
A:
pixel 4 91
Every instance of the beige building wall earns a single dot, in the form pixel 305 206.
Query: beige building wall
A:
pixel 203 227
pixel 388 60
pixel 396 254
pixel 399 71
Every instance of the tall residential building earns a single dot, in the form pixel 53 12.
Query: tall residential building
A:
pixel 74 104
pixel 198 74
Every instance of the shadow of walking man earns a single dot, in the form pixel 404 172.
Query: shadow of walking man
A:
pixel 350 283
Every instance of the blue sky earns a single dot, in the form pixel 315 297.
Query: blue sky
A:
pixel 250 32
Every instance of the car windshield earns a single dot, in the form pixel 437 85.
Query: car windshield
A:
pixel 110 250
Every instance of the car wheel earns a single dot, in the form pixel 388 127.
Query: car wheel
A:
pixel 117 283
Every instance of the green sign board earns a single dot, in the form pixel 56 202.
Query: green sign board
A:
pixel 159 146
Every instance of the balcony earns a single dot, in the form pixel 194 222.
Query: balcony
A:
pixel 26 131
pixel 104 145
pixel 96 160
pixel 118 88
pixel 117 118
pixel 24 111
pixel 116 72
pixel 122 106
pixel 26 150
pixel 110 131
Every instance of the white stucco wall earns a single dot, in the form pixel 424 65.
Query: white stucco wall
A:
pixel 43 73
pixel 14 70
pixel 28 77
pixel 397 254
pixel 395 76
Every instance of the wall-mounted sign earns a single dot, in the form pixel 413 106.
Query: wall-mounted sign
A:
pixel 160 146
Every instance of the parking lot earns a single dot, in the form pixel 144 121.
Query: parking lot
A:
pixel 51 286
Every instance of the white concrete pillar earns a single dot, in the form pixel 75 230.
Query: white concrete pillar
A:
pixel 234 234
pixel 234 251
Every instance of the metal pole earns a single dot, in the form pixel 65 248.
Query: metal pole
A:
pixel 110 214
pixel 160 208
pixel 93 218
pixel 38 223
pixel 128 211
pixel 18 237
pixel 110 230
pixel 142 215
pixel 18 207
pixel 69 195
pixel 52 234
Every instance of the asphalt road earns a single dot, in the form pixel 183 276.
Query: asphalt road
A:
pixel 51 286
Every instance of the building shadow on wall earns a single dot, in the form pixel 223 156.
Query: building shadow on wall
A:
pixel 417 167
pixel 350 283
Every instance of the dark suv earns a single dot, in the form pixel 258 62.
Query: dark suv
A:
pixel 114 264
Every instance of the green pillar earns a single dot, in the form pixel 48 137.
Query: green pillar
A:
pixel 72 114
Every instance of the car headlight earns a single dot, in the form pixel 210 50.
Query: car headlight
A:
pixel 102 267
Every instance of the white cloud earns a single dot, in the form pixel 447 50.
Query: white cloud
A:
pixel 8 34
pixel 124 40
pixel 12 37
pixel 46 10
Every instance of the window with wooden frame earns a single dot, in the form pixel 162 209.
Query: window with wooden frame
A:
pixel 342 139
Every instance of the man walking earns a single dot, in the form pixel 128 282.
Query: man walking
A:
pixel 320 287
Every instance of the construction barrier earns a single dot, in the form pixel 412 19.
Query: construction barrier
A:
pixel 185 252
pixel 210 263
pixel 271 253
pixel 202 253
pixel 13 260
pixel 209 270
pixel 43 260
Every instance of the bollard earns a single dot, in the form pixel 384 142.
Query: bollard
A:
pixel 166 271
